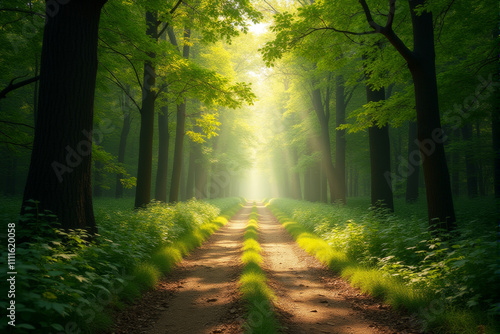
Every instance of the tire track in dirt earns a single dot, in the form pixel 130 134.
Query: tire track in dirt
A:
pixel 311 299
pixel 201 294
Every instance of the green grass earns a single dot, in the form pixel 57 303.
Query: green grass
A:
pixel 394 257
pixel 257 295
pixel 68 281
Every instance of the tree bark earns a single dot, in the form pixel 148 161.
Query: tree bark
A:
pixel 145 162
pixel 380 158
pixel 163 147
pixel 59 175
pixel 413 168
pixel 441 212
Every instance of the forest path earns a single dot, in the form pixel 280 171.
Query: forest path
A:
pixel 311 298
pixel 201 294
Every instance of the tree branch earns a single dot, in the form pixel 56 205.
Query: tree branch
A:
pixel 12 86
pixel 126 57
pixel 119 84
pixel 22 11
pixel 16 123
pixel 387 31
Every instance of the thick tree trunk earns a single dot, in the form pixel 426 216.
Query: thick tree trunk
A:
pixel 123 144
pixel 441 212
pixel 163 147
pixel 413 168
pixel 59 175
pixel 470 164
pixel 145 162
pixel 380 158
pixel 340 142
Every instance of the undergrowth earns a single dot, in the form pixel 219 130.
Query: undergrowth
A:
pixel 68 284
pixel 451 282
pixel 253 283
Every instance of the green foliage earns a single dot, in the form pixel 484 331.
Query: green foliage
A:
pixel 66 278
pixel 399 259
pixel 257 295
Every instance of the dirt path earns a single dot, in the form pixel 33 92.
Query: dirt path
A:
pixel 200 295
pixel 311 299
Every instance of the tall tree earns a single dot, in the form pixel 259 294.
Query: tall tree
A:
pixel 380 157
pixel 59 176
pixel 145 161
pixel 421 62
pixel 163 147
pixel 180 126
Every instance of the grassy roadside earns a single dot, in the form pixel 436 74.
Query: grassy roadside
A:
pixel 434 311
pixel 257 295
pixel 71 285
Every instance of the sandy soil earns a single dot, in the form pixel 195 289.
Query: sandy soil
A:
pixel 201 294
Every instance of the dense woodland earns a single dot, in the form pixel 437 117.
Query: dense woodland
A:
pixel 321 101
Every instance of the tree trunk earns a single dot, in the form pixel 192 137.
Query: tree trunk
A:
pixel 178 153
pixel 179 132
pixel 380 158
pixel 145 163
pixel 123 143
pixel 59 175
pixel 163 147
pixel 191 171
pixel 441 212
pixel 470 164
pixel 413 168
pixel 325 146
pixel 340 142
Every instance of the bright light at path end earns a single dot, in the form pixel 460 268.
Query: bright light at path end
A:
pixel 258 28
